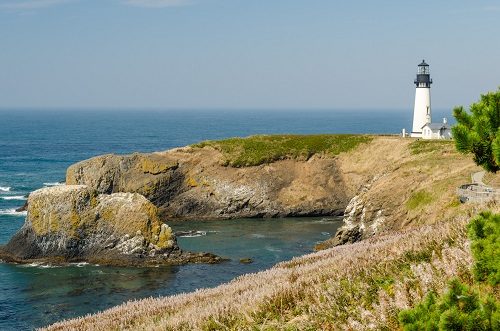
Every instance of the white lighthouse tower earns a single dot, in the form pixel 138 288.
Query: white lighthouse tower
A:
pixel 422 109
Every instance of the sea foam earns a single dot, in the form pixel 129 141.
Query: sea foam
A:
pixel 190 234
pixel 16 197
pixel 53 184
pixel 12 212
pixel 40 265
pixel 4 189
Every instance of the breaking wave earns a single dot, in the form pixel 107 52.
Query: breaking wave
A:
pixel 190 234
pixel 17 197
pixel 40 265
pixel 328 220
pixel 257 235
pixel 80 264
pixel 4 189
pixel 13 212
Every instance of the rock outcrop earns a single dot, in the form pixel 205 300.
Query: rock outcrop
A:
pixel 385 184
pixel 151 175
pixel 76 223
pixel 191 183
pixel 400 183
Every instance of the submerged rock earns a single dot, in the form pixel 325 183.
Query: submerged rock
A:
pixel 75 223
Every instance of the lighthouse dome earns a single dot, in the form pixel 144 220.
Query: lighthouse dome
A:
pixel 423 75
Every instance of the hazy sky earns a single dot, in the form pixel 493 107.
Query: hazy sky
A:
pixel 245 53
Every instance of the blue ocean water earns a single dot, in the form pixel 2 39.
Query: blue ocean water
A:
pixel 36 147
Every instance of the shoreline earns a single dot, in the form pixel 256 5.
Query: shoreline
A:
pixel 214 180
pixel 295 287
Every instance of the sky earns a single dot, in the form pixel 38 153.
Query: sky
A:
pixel 245 54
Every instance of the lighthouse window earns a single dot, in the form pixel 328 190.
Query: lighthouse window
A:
pixel 423 70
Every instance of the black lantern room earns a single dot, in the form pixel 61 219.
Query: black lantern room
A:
pixel 423 76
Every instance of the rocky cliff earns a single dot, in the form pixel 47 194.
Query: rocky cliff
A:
pixel 402 183
pixel 76 223
pixel 113 207
pixel 191 183
pixel 385 183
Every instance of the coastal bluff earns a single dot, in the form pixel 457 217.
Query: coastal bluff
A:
pixel 74 223
pixel 114 209
pixel 379 183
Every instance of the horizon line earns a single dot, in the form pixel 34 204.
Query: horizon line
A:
pixel 392 109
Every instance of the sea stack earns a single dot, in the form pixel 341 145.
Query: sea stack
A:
pixel 74 223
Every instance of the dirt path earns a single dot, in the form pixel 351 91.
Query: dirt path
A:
pixel 477 178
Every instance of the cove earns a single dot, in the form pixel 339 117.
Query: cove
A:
pixel 37 295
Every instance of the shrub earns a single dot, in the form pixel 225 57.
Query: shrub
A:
pixel 461 307
pixel 477 132
pixel 484 230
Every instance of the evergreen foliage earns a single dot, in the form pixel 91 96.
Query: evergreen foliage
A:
pixel 461 307
pixel 484 230
pixel 479 132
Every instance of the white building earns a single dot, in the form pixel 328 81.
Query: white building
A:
pixel 422 124
pixel 436 130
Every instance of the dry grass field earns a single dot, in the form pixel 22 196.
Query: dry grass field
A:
pixel 362 286
pixel 420 244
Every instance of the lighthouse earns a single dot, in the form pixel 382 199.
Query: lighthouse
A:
pixel 422 109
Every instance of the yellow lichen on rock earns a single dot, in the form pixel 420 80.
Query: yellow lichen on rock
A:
pixel 77 211
pixel 72 223
pixel 192 182
pixel 75 219
pixel 151 166
pixel 165 239
pixel 49 210
pixel 127 213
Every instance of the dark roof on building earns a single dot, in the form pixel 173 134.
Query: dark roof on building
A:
pixel 437 126
pixel 423 64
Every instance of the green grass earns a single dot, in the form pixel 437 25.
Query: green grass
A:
pixel 428 146
pixel 420 198
pixel 262 149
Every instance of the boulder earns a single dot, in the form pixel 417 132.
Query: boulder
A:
pixel 342 236
pixel 152 175
pixel 76 223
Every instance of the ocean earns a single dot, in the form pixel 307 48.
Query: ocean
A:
pixel 37 146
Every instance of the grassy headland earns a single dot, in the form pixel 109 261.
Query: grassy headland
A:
pixel 261 149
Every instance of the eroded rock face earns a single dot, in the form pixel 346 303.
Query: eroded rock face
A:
pixel 378 185
pixel 151 175
pixel 75 223
pixel 192 184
